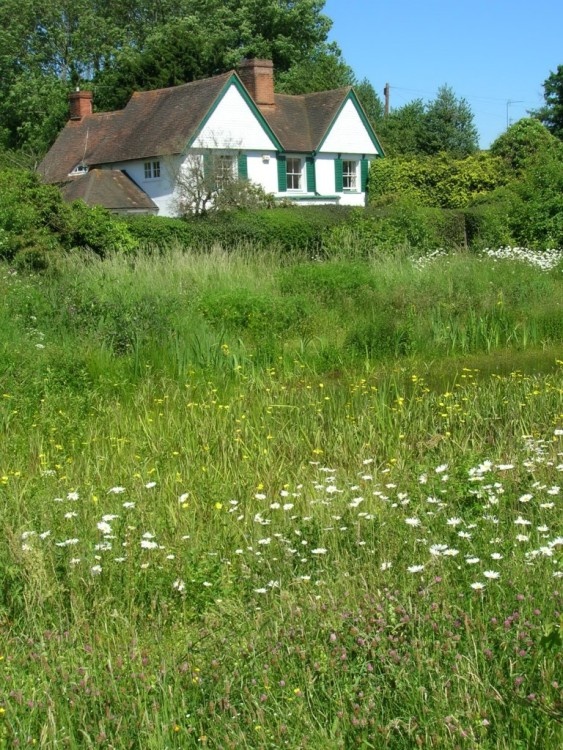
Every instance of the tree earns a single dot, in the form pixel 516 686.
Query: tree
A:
pixel 445 124
pixel 448 126
pixel 323 70
pixel 175 53
pixel 524 140
pixel 213 180
pixel 124 45
pixel 401 132
pixel 551 114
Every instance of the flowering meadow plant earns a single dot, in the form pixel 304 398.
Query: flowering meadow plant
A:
pixel 261 556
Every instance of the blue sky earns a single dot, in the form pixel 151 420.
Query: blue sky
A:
pixel 496 54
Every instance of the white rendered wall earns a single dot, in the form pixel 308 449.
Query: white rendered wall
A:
pixel 233 125
pixel 324 170
pixel 160 189
pixel 348 134
pixel 263 170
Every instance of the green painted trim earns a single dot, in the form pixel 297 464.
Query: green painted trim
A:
pixel 338 175
pixel 351 96
pixel 242 167
pixel 311 177
pixel 282 172
pixel 364 171
pixel 235 81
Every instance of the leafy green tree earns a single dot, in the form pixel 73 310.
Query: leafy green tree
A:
pixel 402 131
pixel 175 53
pixel 551 114
pixel 448 126
pixel 325 69
pixel 537 217
pixel 444 124
pixel 523 141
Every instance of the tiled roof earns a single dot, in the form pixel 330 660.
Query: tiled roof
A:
pixel 301 122
pixel 162 122
pixel 76 143
pixel 110 188
pixel 154 123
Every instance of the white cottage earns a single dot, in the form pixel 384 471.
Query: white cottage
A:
pixel 309 149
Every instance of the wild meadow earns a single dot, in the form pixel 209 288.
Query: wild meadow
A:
pixel 259 501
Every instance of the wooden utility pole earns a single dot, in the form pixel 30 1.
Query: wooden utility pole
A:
pixel 386 94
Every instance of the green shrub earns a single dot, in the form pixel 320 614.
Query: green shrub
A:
pixel 287 228
pixel 436 181
pixel 524 140
pixel 35 219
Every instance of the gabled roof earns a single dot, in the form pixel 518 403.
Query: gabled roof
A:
pixel 166 121
pixel 111 188
pixel 153 123
pixel 301 122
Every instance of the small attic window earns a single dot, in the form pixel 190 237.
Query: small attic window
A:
pixel 80 168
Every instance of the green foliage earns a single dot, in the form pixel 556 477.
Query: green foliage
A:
pixel 401 132
pixel 325 69
pixel 174 53
pixel 448 126
pixel 486 221
pixel 524 140
pixel 438 181
pixel 262 315
pixel 96 229
pixel 537 219
pixel 287 228
pixel 35 221
pixel 551 114
pixel 444 124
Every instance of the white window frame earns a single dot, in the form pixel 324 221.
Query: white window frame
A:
pixel 80 168
pixel 226 169
pixel 350 175
pixel 295 175
pixel 152 169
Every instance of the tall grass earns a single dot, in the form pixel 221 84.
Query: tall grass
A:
pixel 211 544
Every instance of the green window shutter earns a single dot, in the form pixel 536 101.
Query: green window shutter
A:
pixel 364 164
pixel 338 175
pixel 282 173
pixel 207 165
pixel 242 167
pixel 311 179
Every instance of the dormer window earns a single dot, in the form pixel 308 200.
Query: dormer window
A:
pixel 80 168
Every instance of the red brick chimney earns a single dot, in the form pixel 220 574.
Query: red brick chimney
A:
pixel 258 77
pixel 80 104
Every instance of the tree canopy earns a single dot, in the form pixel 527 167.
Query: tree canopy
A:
pixel 48 47
pixel 551 114
pixel 444 124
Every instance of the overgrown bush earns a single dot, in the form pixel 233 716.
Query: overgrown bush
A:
pixel 35 222
pixel 436 181
pixel 524 140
